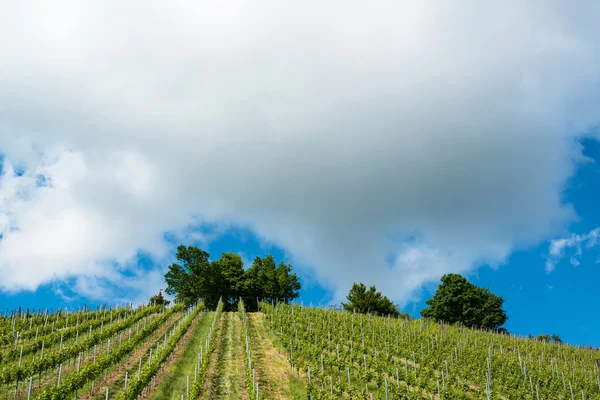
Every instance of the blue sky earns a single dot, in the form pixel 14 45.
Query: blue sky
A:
pixel 391 144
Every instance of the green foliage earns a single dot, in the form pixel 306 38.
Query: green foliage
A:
pixel 247 355
pixel 266 281
pixel 158 300
pixel 356 356
pixel 90 371
pixel 197 386
pixel 52 338
pixel 546 338
pixel 41 323
pixel 459 301
pixel 225 278
pixel 193 279
pixel 229 273
pixel 52 359
pixel 555 338
pixel 138 383
pixel 370 301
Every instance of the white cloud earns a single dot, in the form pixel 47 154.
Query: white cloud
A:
pixel 337 131
pixel 574 262
pixel 56 231
pixel 559 247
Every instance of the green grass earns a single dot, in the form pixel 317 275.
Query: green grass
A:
pixel 174 383
pixel 292 387
pixel 226 375
pixel 297 389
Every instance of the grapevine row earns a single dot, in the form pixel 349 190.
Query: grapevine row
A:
pixel 203 360
pixel 420 359
pixel 46 361
pixel 93 370
pixel 137 384
pixel 250 372
pixel 59 337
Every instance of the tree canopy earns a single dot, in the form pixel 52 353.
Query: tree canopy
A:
pixel 546 338
pixel 459 301
pixel 198 277
pixel 366 301
pixel 269 282
pixel 158 299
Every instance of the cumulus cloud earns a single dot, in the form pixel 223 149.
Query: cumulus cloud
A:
pixel 575 244
pixel 52 231
pixel 435 135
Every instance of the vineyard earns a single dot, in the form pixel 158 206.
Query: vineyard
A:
pixel 282 352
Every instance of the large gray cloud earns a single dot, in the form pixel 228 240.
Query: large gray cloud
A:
pixel 437 135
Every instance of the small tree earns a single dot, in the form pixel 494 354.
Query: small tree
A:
pixel 459 301
pixel 555 338
pixel 268 281
pixel 366 301
pixel 158 299
pixel 548 338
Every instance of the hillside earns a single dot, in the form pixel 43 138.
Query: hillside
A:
pixel 282 352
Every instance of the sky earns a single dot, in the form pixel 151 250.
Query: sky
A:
pixel 380 142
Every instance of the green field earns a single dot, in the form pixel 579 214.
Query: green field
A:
pixel 282 352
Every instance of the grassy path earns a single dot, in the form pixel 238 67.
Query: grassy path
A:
pixel 174 383
pixel 273 370
pixel 225 379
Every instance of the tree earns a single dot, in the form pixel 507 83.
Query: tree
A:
pixel 287 283
pixel 230 272
pixel 555 338
pixel 366 301
pixel 543 337
pixel 158 299
pixel 198 278
pixel 459 301
pixel 547 338
pixel 194 279
pixel 266 281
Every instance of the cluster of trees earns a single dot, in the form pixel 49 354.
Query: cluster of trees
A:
pixel 546 338
pixel 455 301
pixel 196 277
